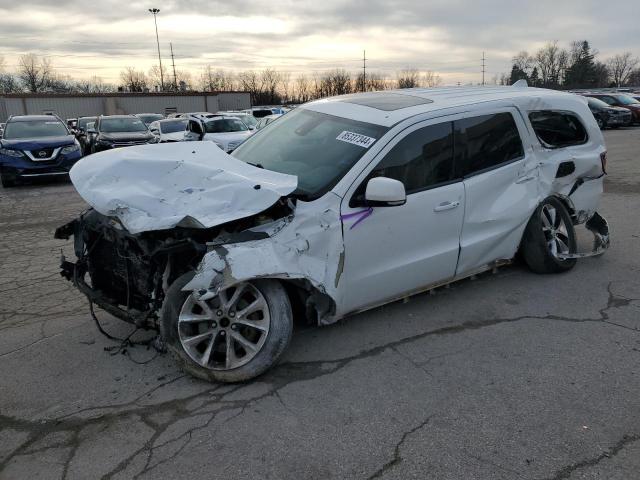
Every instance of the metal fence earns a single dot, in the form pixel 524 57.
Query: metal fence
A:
pixel 78 105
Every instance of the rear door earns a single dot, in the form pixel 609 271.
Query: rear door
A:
pixel 500 178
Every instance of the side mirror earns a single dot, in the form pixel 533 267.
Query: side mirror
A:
pixel 385 192
pixel 251 127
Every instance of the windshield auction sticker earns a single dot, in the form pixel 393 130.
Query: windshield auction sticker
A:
pixel 356 139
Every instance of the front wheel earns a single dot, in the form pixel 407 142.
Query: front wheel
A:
pixel 233 337
pixel 549 235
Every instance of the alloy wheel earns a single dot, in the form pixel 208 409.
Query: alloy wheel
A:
pixel 555 231
pixel 226 331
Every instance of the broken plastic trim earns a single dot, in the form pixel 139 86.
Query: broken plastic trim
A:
pixel 598 226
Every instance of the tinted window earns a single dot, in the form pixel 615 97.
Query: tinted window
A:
pixel 225 125
pixel 422 159
pixel 306 144
pixel 485 142
pixel 558 129
pixel 173 126
pixel 82 122
pixel 150 117
pixel 598 104
pixel 609 100
pixel 626 100
pixel 34 129
pixel 119 125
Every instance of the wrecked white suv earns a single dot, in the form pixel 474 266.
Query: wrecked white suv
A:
pixel 343 204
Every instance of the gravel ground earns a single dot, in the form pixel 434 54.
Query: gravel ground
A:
pixel 509 376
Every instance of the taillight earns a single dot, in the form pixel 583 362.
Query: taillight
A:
pixel 603 161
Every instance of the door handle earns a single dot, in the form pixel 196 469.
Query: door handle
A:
pixel 446 206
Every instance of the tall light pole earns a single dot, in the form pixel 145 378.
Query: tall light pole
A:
pixel 155 11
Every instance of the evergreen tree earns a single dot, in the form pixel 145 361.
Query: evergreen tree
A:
pixel 534 79
pixel 518 74
pixel 582 71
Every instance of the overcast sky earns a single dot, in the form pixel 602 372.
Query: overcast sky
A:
pixel 85 38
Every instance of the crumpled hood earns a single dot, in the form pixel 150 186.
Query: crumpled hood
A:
pixel 38 143
pixel 194 184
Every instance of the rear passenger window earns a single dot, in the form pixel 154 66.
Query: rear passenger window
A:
pixel 422 159
pixel 485 142
pixel 558 129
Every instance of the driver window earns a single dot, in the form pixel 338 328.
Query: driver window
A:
pixel 421 160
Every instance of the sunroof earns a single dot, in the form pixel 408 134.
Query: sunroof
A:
pixel 384 101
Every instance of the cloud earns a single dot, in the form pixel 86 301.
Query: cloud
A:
pixel 445 36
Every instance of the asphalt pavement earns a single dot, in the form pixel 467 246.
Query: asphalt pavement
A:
pixel 509 376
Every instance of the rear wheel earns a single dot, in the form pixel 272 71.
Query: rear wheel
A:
pixel 548 236
pixel 601 124
pixel 235 336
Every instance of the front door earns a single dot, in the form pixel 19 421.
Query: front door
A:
pixel 392 251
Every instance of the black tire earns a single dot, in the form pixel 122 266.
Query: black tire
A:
pixel 7 181
pixel 276 342
pixel 601 123
pixel 537 243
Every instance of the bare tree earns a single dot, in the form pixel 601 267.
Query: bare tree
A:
pixel 217 80
pixel 250 82
pixel 36 73
pixel 524 62
pixel 551 61
pixel 154 79
pixel 620 67
pixel 408 78
pixel 285 86
pixel 303 89
pixel 9 83
pixel 270 79
pixel 431 79
pixel 1 64
pixel 133 80
pixel 93 85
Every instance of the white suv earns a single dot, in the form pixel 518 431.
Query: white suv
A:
pixel 342 205
pixel 227 132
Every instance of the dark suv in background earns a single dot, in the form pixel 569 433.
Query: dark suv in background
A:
pixel 36 146
pixel 608 116
pixel 81 133
pixel 620 100
pixel 114 131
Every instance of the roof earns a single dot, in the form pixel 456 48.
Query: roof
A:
pixel 28 118
pixel 366 107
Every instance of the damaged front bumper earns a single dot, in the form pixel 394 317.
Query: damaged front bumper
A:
pixel 599 227
pixel 119 272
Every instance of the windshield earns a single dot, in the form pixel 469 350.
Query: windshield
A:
pixel 84 121
pixel 318 148
pixel 150 117
pixel 173 126
pixel 626 100
pixel 249 120
pixel 225 125
pixel 34 129
pixel 596 103
pixel 120 125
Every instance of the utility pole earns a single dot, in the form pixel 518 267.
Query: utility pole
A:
pixel 364 70
pixel 173 62
pixel 156 11
pixel 483 67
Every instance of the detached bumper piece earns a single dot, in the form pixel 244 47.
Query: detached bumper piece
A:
pixel 599 227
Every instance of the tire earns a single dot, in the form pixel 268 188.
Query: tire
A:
pixel 7 181
pixel 601 124
pixel 548 232
pixel 200 336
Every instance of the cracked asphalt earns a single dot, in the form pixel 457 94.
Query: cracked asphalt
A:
pixel 509 376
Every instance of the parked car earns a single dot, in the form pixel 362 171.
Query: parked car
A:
pixel 149 118
pixel 248 119
pixel 620 100
pixel 608 116
pixel 81 133
pixel 259 112
pixel 36 146
pixel 71 123
pixel 114 131
pixel 226 132
pixel 264 121
pixel 2 129
pixel 346 204
pixel 169 129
